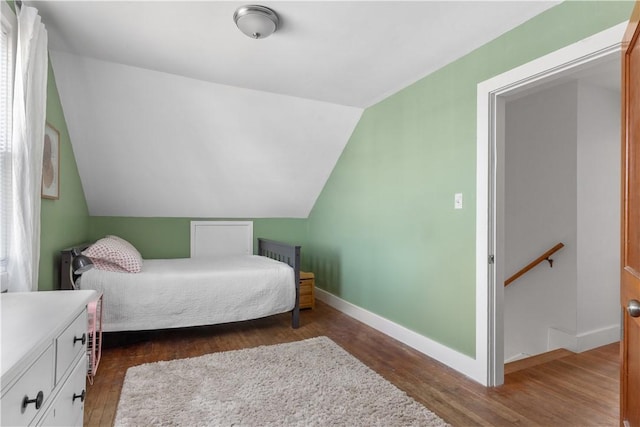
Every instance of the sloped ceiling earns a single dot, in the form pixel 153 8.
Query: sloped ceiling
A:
pixel 149 143
pixel 172 111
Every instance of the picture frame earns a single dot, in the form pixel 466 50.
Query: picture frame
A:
pixel 51 163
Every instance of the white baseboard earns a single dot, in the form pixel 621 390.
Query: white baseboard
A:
pixel 557 338
pixel 598 337
pixel 585 341
pixel 518 356
pixel 443 354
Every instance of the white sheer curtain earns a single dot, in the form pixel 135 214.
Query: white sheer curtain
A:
pixel 29 112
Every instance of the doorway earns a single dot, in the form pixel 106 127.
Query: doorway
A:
pixel 562 185
pixel 493 94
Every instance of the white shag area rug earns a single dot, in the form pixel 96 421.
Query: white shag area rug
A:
pixel 306 383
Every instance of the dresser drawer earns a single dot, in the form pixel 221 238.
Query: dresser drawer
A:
pixel 68 407
pixel 70 343
pixel 38 378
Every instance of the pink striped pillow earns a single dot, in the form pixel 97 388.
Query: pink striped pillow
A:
pixel 114 255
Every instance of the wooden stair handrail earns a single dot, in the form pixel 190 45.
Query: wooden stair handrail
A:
pixel 544 257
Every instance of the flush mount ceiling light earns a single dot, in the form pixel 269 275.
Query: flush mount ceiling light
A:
pixel 255 21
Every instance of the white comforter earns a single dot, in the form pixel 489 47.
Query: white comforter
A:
pixel 173 293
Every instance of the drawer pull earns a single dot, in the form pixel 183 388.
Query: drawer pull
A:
pixel 38 401
pixel 83 339
pixel 79 396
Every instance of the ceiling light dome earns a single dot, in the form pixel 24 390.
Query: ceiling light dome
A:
pixel 255 21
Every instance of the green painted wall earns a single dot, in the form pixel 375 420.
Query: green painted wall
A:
pixel 65 221
pixel 383 234
pixel 170 237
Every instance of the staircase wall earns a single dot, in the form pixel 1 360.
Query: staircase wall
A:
pixel 540 211
pixel 598 215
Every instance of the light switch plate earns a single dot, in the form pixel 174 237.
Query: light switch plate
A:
pixel 457 201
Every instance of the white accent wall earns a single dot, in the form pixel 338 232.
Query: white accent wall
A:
pixel 562 185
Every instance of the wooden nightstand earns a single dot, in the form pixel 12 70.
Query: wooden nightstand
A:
pixel 307 292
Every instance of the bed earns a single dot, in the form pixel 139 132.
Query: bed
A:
pixel 196 291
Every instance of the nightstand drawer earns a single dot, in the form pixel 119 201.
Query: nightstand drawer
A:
pixel 37 379
pixel 306 301
pixel 70 343
pixel 307 290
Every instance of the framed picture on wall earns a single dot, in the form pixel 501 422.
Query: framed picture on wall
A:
pixel 51 163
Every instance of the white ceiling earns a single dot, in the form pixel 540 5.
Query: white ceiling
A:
pixel 345 52
pixel 340 57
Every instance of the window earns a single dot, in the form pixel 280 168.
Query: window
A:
pixel 7 60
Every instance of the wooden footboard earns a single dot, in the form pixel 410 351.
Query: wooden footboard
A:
pixel 288 254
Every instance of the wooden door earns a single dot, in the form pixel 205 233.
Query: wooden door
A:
pixel 630 280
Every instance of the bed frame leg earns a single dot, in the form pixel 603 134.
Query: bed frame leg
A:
pixel 295 318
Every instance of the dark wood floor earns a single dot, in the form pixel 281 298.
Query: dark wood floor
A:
pixel 573 390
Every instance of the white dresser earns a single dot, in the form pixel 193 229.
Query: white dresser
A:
pixel 43 357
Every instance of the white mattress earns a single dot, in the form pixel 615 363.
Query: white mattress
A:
pixel 173 293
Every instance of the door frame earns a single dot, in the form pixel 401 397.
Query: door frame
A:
pixel 491 95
